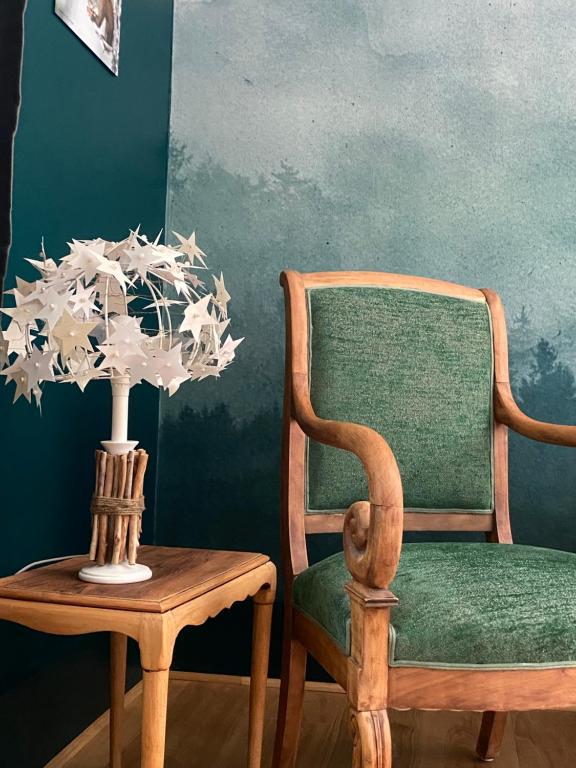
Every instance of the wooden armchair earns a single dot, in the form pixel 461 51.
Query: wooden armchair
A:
pixel 423 364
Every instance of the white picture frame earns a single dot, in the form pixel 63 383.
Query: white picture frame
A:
pixel 97 24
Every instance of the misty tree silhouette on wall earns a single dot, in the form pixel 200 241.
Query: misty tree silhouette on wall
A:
pixel 253 227
pixel 280 213
pixel 219 480
pixel 543 477
pixel 265 223
pixel 549 390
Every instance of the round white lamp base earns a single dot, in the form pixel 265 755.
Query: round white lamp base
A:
pixel 123 573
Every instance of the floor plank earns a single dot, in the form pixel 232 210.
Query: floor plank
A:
pixel 207 727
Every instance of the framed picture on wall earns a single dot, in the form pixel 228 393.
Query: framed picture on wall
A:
pixel 97 24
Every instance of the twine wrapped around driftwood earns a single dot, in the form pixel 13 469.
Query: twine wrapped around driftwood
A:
pixel 103 505
pixel 117 506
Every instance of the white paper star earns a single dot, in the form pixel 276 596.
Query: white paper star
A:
pixel 190 248
pixel 70 333
pixel 197 315
pixel 22 287
pixel 169 365
pixel 203 371
pixel 226 353
pixel 37 392
pixel 22 387
pixel 17 374
pixel 165 302
pixel 38 367
pixel 174 385
pixel 142 368
pixel 141 259
pixel 81 300
pixel 23 313
pixel 15 338
pixel 46 266
pixel 222 295
pixel 130 244
pixel 114 269
pixel 83 369
pixel 194 280
pixel 171 275
pixel 113 359
pixel 87 259
pixel 53 305
pixel 126 335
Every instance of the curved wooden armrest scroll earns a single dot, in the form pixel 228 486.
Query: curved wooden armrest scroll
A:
pixel 372 530
pixel 372 543
pixel 507 411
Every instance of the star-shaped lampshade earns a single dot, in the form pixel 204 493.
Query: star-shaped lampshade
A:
pixel 134 308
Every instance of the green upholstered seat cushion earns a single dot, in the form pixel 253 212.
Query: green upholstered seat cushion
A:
pixel 462 604
pixel 417 368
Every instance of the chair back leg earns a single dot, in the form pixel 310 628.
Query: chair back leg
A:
pixel 291 699
pixel 491 735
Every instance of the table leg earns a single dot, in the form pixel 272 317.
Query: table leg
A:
pixel 259 675
pixel 154 706
pixel 118 644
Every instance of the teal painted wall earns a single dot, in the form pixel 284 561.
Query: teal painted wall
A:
pixel 367 134
pixel 90 159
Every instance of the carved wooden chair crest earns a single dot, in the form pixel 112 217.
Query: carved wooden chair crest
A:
pixel 397 408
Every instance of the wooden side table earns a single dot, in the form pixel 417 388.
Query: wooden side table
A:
pixel 188 587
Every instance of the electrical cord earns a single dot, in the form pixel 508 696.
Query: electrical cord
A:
pixel 45 562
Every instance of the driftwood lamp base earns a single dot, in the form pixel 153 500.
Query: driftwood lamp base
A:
pixel 117 506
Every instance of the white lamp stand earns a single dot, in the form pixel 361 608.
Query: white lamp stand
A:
pixel 122 573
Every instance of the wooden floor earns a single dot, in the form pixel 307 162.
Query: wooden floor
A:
pixel 207 727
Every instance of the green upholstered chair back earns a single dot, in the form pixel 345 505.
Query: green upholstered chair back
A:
pixel 418 368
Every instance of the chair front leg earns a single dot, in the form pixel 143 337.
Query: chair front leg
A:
pixel 368 675
pixel 371 739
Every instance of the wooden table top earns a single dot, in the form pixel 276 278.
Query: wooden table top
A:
pixel 178 576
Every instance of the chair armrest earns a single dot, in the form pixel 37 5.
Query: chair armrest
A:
pixel 372 530
pixel 507 411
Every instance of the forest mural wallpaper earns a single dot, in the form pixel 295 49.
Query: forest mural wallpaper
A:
pixel 438 140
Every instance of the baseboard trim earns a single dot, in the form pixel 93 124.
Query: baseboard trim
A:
pixel 101 724
pixel 202 677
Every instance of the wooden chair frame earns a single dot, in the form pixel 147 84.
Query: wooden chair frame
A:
pixel 372 543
